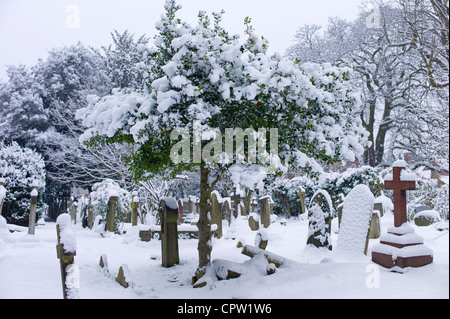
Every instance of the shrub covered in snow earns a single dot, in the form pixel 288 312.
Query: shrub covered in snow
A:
pixel 101 192
pixel 20 168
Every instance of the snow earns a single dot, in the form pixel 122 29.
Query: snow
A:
pixel 68 239
pixel 399 163
pixel 430 213
pixel 407 176
pixel 31 269
pixel 171 203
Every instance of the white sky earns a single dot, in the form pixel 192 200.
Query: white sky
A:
pixel 29 28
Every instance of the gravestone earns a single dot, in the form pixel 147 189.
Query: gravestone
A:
pixel 339 206
pixel 103 263
pixel 379 207
pixel 32 216
pixel 110 217
pixel 374 231
pixel 401 247
pixel 264 211
pixel 301 195
pixel 66 251
pixel 123 276
pixel 73 209
pixel 134 208
pixel 246 202
pixel 216 213
pixel 254 205
pixel 426 217
pixel 356 216
pixel 226 209
pixel 253 221
pixel 90 219
pixel 2 194
pixel 169 232
pixel 180 211
pixel 320 216
pixel 261 239
pixel 235 202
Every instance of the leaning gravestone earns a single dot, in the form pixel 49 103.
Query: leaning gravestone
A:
pixel 356 216
pixel 320 216
pixel 169 232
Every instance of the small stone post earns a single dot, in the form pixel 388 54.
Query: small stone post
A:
pixel 169 232
pixel 301 195
pixel 90 219
pixel 32 217
pixel 134 208
pixel 111 213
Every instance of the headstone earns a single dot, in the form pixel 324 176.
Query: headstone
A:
pixel 216 213
pixel 134 208
pixel 339 207
pixel 180 211
pixel 401 247
pixel 356 216
pixel 169 232
pixel 320 216
pixel 379 207
pixel 226 209
pixel 262 239
pixel 32 216
pixel 73 209
pixel 90 219
pixel 103 263
pixel 246 201
pixel 426 217
pixel 301 195
pixel 264 210
pixel 123 276
pixel 235 200
pixel 2 194
pixel 254 205
pixel 145 235
pixel 66 251
pixel 374 231
pixel 111 213
pixel 253 221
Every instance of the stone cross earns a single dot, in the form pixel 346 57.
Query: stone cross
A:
pixel 169 232
pixel 32 217
pixel 400 183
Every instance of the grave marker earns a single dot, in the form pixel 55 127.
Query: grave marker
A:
pixel 111 213
pixel 264 209
pixel 66 251
pixel 216 213
pixel 2 194
pixel 32 216
pixel 169 232
pixel 401 247
pixel 320 216
pixel 134 208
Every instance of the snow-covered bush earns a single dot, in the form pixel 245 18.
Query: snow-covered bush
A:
pixel 101 192
pixel 20 168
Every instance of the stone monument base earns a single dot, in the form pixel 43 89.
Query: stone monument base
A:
pixel 401 247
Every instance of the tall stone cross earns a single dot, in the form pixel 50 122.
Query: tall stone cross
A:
pixel 400 181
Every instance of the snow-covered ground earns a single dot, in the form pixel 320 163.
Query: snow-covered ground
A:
pixel 29 267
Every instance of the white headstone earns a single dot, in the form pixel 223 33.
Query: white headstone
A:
pixel 355 224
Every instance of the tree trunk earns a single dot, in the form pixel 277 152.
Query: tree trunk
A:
pixel 204 226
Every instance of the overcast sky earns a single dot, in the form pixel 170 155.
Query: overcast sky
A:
pixel 29 28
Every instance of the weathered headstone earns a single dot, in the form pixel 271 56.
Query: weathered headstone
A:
pixel 301 195
pixel 134 208
pixel 169 232
pixel 66 251
pixel 379 207
pixel 320 216
pixel 401 247
pixel 123 276
pixel 103 263
pixel 264 210
pixel 339 206
pixel 216 213
pixel 180 211
pixel 110 217
pixel 356 216
pixel 32 216
pixel 226 209
pixel 426 217
pixel 254 205
pixel 253 221
pixel 374 231
pixel 73 209
pixel 261 239
pixel 235 200
pixel 2 194
pixel 246 200
pixel 90 218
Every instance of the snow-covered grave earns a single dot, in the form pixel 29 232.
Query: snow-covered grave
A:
pixel 29 269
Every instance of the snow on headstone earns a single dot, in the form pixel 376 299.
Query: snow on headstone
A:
pixel 320 215
pixel 356 217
